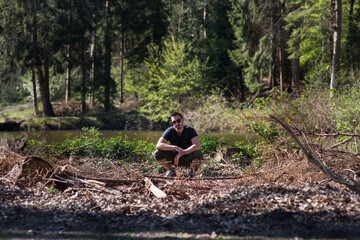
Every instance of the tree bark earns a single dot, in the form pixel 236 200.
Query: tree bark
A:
pixel 92 57
pixel 69 55
pixel 205 18
pixel 122 49
pixel 42 70
pixel 337 27
pixel 83 77
pixel 107 44
pixel 68 76
pixel 35 102
pixel 283 56
pixel 44 90
pixel 295 74
pixel 271 78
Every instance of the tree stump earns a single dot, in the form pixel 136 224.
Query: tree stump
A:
pixel 30 171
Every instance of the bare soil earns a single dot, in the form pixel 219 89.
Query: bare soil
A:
pixel 286 198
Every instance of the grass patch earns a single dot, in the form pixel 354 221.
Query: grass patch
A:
pixel 16 112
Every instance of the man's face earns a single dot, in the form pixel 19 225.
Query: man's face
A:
pixel 177 121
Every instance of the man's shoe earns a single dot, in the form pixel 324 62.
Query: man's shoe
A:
pixel 170 173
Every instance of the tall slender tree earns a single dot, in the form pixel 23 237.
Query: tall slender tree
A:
pixel 337 31
pixel 70 41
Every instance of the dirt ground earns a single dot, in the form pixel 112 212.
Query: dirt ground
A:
pixel 289 199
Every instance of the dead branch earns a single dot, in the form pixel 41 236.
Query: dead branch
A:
pixel 201 178
pixel 111 181
pixel 313 158
pixel 335 134
pixel 155 190
pixel 340 143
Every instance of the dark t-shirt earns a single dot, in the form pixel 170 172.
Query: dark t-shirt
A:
pixel 183 140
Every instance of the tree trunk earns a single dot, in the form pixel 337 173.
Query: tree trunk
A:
pixel 68 76
pixel 69 54
pixel 270 82
pixel 337 26
pixel 35 102
pixel 271 77
pixel 122 49
pixel 205 18
pixel 107 44
pixel 83 77
pixel 295 75
pixel 351 10
pixel 92 57
pixel 48 109
pixel 283 56
pixel 42 69
pixel 44 90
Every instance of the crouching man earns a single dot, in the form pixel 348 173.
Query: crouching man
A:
pixel 183 149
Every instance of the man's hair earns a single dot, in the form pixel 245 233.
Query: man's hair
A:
pixel 174 114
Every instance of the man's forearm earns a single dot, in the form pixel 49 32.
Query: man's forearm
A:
pixel 191 149
pixel 164 147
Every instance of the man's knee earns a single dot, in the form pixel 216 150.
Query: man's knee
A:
pixel 197 155
pixel 158 154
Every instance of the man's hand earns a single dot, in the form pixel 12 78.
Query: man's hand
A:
pixel 179 150
pixel 176 159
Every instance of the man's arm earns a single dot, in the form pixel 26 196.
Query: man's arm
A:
pixel 194 147
pixel 162 145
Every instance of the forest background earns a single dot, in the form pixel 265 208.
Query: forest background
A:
pixel 211 59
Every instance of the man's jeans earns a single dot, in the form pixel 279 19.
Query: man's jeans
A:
pixel 184 161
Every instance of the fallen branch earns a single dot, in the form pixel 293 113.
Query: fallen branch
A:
pixel 155 190
pixel 340 143
pixel 312 157
pixel 335 134
pixel 200 178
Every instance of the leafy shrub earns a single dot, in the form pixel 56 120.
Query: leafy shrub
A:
pixel 263 129
pixel 211 143
pixel 92 143
pixel 246 153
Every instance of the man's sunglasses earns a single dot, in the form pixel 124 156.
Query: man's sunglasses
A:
pixel 176 121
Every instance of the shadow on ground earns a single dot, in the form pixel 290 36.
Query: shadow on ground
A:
pixel 34 223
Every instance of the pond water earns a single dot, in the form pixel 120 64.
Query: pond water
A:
pixel 149 136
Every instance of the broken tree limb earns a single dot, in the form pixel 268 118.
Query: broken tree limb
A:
pixel 340 143
pixel 111 181
pixel 155 190
pixel 335 134
pixel 312 157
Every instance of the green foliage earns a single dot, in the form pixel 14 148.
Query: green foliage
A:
pixel 91 143
pixel 12 90
pixel 264 129
pixel 214 113
pixel 246 153
pixel 171 77
pixel 211 143
pixel 52 190
pixel 252 41
pixel 346 108
pixel 205 170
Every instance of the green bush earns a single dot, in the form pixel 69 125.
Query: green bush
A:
pixel 91 143
pixel 211 143
pixel 264 129
pixel 246 153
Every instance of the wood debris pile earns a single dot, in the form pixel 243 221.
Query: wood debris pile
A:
pixel 290 199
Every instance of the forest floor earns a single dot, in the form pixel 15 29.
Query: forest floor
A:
pixel 286 198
